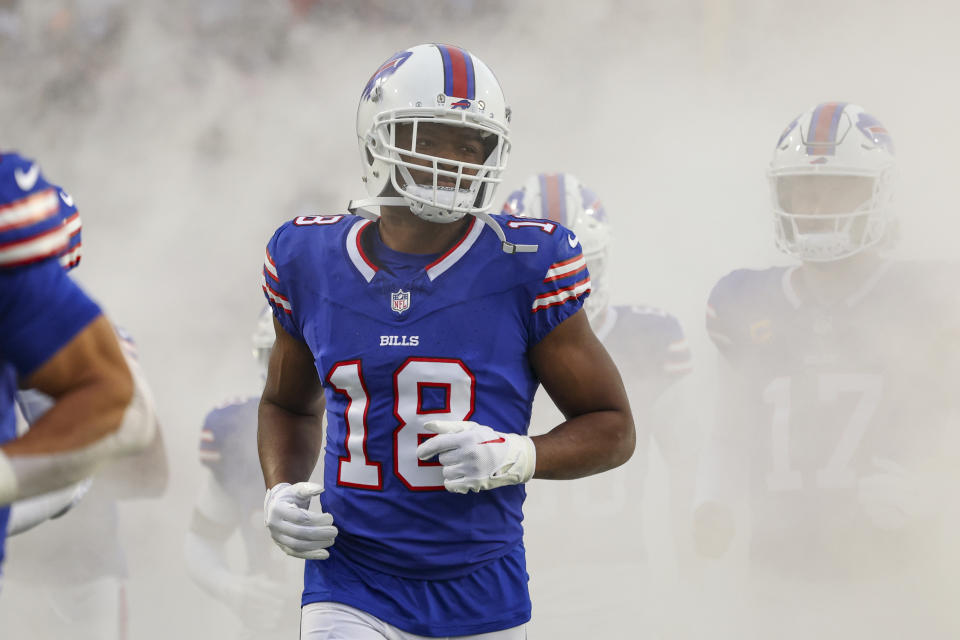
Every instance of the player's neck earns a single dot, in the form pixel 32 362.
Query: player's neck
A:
pixel 832 282
pixel 402 231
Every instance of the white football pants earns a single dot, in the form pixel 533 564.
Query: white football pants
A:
pixel 335 621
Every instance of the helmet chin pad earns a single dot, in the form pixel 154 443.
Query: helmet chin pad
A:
pixel 446 204
pixel 824 245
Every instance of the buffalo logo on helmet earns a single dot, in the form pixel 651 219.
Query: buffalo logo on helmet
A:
pixel 460 104
pixel 873 129
pixel 386 70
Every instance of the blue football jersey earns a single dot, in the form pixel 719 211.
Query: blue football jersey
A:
pixel 395 347
pixel 228 448
pixel 827 394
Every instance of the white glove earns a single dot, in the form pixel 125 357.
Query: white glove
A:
pixel 477 458
pixel 30 512
pixel 895 497
pixel 297 530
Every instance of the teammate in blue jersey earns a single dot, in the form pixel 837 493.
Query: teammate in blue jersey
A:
pixel 260 593
pixel 836 400
pixel 426 332
pixel 651 351
pixel 53 338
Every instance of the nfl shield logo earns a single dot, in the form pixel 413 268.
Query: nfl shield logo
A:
pixel 400 301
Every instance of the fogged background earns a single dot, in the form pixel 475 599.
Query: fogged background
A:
pixel 188 131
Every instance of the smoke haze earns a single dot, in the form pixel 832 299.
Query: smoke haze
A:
pixel 187 132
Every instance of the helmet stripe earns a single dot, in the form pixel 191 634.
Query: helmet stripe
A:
pixel 553 201
pixel 458 75
pixel 823 128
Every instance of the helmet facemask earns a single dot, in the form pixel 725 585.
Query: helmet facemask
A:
pixel 443 189
pixel 822 217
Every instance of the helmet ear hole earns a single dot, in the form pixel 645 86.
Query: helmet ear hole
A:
pixel 370 159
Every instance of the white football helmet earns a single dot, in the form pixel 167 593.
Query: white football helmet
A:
pixel 262 340
pixel 562 198
pixel 833 139
pixel 433 83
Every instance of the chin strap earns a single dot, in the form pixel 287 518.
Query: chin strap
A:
pixel 356 208
pixel 507 246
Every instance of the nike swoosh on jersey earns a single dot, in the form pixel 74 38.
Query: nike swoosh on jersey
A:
pixel 573 241
pixel 26 180
pixel 67 198
pixel 497 441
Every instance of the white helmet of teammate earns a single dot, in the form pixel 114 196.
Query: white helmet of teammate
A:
pixel 846 207
pixel 262 340
pixel 561 197
pixel 432 83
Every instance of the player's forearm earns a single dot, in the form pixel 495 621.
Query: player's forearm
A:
pixel 289 443
pixel 585 445
pixel 80 417
pixel 36 464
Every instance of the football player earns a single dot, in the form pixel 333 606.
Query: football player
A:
pixel 652 354
pixel 835 397
pixel 426 331
pixel 56 340
pixel 84 594
pixel 231 493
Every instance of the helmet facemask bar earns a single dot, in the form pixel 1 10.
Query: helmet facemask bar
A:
pixel 835 236
pixel 436 202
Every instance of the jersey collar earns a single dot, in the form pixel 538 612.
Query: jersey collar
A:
pixel 434 270
pixel 358 256
pixel 790 292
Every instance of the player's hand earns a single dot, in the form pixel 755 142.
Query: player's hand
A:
pixel 297 530
pixel 477 458
pixel 259 602
pixel 893 497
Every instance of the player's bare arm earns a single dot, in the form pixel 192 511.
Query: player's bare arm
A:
pixel 92 386
pixel 291 409
pixel 583 382
pixel 289 438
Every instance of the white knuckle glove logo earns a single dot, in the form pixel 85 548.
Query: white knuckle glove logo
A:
pixel 477 458
pixel 297 530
